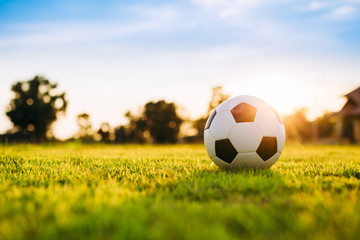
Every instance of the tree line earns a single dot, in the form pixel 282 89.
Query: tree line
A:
pixel 37 104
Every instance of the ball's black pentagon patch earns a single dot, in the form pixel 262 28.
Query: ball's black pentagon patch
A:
pixel 210 119
pixel 225 150
pixel 243 112
pixel 267 148
pixel 276 114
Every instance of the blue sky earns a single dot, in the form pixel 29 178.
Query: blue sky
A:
pixel 291 53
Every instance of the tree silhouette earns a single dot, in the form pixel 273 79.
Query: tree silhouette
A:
pixel 135 131
pixel 35 107
pixel 104 132
pixel 217 97
pixel 162 121
pixel 85 127
pixel 325 125
pixel 158 121
pixel 119 134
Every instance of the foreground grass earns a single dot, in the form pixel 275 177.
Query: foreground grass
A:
pixel 171 192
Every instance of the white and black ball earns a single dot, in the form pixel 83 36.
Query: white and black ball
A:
pixel 244 132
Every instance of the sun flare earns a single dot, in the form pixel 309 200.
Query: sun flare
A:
pixel 287 95
pixel 283 95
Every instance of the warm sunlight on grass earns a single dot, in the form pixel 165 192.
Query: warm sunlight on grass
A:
pixel 171 192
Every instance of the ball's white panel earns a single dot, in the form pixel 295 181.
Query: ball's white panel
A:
pixel 220 163
pixel 281 138
pixel 252 160
pixel 230 103
pixel 277 115
pixel 222 125
pixel 248 160
pixel 272 160
pixel 209 143
pixel 267 122
pixel 245 137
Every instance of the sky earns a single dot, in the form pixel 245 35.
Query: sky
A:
pixel 114 56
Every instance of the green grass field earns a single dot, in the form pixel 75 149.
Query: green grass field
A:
pixel 171 192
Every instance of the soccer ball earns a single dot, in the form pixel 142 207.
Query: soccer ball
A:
pixel 244 132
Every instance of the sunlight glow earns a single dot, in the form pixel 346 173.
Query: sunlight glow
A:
pixel 287 95
pixel 283 95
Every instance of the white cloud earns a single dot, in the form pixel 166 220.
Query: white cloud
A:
pixel 335 10
pixel 317 5
pixel 162 12
pixel 156 19
pixel 343 11
pixel 228 8
pixel 76 32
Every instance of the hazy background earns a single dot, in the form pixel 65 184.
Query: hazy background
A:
pixel 112 56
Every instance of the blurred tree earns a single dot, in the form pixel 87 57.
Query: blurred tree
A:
pixel 35 107
pixel 104 132
pixel 135 131
pixel 298 127
pixel 158 121
pixel 85 133
pixel 218 96
pixel 326 125
pixel 162 121
pixel 120 134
